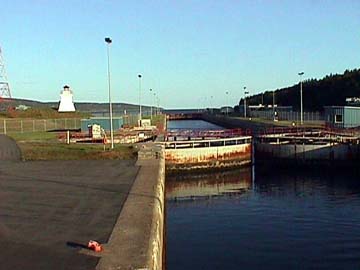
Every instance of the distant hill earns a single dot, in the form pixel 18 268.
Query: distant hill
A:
pixel 331 90
pixel 80 106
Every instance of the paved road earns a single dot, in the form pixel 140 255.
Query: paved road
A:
pixel 46 207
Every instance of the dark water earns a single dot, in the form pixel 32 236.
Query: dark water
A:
pixel 263 220
pixel 191 124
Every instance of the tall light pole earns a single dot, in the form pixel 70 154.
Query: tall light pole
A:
pixel 227 102
pixel 245 93
pixel 109 41
pixel 140 115
pixel 155 113
pixel 151 106
pixel 273 106
pixel 301 98
pixel 158 104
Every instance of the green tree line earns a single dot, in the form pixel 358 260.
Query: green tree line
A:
pixel 329 91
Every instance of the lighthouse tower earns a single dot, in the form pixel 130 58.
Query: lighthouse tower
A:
pixel 66 100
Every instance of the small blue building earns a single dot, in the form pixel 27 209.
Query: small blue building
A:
pixel 342 116
pixel 104 122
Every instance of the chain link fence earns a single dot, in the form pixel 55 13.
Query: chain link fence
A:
pixel 288 116
pixel 35 125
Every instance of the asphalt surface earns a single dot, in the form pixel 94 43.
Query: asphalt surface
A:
pixel 9 150
pixel 48 209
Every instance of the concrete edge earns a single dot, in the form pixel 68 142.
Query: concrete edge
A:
pixel 137 240
pixel 156 240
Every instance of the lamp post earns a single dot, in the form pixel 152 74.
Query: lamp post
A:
pixel 227 102
pixel 245 93
pixel 140 115
pixel 155 110
pixel 158 104
pixel 151 111
pixel 273 106
pixel 301 98
pixel 109 41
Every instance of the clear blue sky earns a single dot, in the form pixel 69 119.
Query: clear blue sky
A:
pixel 187 51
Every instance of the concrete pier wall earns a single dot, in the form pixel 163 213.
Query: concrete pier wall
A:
pixel 310 152
pixel 137 241
pixel 236 122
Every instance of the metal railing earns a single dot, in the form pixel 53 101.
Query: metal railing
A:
pixel 36 125
pixel 186 134
pixel 288 116
pixel 205 143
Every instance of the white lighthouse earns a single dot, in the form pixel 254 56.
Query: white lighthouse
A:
pixel 66 100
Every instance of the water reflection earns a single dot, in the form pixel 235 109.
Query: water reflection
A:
pixel 204 185
pixel 307 183
pixel 290 220
pixel 191 124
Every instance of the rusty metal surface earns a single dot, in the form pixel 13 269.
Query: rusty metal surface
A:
pixel 208 157
pixel 208 154
pixel 315 145
pixel 329 151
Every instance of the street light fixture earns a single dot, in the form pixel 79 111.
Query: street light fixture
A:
pixel 158 104
pixel 273 106
pixel 151 110
pixel 109 41
pixel 140 114
pixel 301 98
pixel 245 93
pixel 227 103
pixel 155 109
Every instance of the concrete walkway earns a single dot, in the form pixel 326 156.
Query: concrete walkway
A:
pixel 49 209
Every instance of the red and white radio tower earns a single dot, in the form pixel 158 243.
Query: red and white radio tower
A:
pixel 4 84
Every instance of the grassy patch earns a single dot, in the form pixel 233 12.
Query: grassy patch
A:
pixel 34 136
pixel 42 113
pixel 61 151
pixel 46 146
